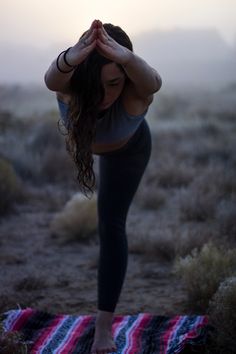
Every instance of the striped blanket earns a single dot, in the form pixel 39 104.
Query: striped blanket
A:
pixel 134 334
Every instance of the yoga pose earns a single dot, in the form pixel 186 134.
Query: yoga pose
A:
pixel 104 90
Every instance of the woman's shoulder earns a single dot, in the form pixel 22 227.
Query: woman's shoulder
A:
pixel 63 105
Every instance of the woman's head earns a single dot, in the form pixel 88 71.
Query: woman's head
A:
pixel 96 71
pixel 112 81
pixel 95 85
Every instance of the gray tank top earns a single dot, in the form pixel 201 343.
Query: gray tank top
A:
pixel 113 126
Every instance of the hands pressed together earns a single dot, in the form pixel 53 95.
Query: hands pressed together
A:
pixel 97 37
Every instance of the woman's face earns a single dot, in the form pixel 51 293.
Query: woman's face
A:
pixel 113 80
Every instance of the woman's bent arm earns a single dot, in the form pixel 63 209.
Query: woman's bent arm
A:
pixel 56 80
pixel 146 80
pixel 57 77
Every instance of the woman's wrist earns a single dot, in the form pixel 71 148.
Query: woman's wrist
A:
pixel 128 59
pixel 66 53
pixel 71 57
pixel 62 63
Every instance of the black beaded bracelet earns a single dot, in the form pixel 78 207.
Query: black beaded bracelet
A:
pixel 57 63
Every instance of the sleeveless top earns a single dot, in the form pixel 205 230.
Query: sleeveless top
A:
pixel 114 125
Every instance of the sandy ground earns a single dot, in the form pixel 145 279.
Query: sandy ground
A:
pixel 42 272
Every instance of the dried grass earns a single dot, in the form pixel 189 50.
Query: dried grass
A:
pixel 222 316
pixel 226 218
pixel 152 247
pixel 199 202
pixel 56 166
pixel 78 219
pixel 197 206
pixel 203 271
pixel 169 242
pixel 172 175
pixel 11 342
pixel 150 198
pixel 30 283
pixel 37 151
pixel 10 187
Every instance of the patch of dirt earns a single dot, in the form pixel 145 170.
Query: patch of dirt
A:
pixel 38 271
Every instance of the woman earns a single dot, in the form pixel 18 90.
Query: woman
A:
pixel 104 91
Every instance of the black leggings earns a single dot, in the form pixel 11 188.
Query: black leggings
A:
pixel 120 173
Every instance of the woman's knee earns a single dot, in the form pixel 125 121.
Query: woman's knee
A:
pixel 111 227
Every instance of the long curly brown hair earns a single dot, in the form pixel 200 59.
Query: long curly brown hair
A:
pixel 86 94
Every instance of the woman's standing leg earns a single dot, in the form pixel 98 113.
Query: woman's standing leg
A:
pixel 120 175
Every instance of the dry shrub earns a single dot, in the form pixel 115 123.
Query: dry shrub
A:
pixel 171 105
pixel 37 151
pixel 10 191
pixel 6 121
pixel 226 218
pixel 222 315
pixel 193 238
pixel 172 175
pixel 168 242
pixel 30 283
pixel 44 135
pixel 47 145
pixel 78 219
pixel 211 129
pixel 199 201
pixel 149 197
pixel 203 271
pixel 227 182
pixel 154 246
pixel 56 166
pixel 197 206
pixel 11 342
pixel 208 152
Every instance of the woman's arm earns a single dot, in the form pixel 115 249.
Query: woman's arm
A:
pixel 58 75
pixel 55 80
pixel 146 81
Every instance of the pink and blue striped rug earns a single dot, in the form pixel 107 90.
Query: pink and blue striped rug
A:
pixel 134 334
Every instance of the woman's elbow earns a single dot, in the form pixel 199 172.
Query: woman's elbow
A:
pixel 158 82
pixel 48 82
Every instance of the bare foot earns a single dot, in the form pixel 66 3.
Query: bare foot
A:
pixel 103 342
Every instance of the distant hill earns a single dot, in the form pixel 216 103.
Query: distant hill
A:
pixel 183 57
pixel 180 44
pixel 195 57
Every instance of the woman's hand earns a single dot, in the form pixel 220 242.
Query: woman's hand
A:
pixel 59 80
pixel 79 52
pixel 97 37
pixel 110 49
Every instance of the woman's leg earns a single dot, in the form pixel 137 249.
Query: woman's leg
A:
pixel 119 177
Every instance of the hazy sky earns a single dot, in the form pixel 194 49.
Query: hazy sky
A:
pixel 43 23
